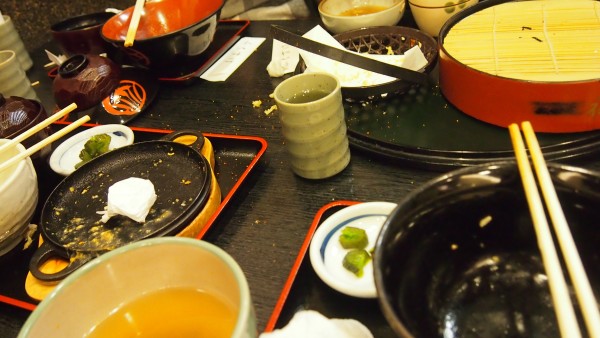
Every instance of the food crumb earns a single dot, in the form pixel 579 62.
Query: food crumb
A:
pixel 454 246
pixel 71 189
pixel 256 103
pixel 270 110
pixel 186 182
pixel 485 221
pixel 390 51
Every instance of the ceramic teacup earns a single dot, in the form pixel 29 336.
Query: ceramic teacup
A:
pixel 313 124
pixel 169 286
pixel 13 79
pixel 11 40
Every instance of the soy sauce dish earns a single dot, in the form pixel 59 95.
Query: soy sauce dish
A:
pixel 66 156
pixel 327 253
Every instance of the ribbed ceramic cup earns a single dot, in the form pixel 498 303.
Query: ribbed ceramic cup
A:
pixel 11 40
pixel 313 124
pixel 13 79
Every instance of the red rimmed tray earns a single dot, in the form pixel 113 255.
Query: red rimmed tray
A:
pixel 305 290
pixel 236 158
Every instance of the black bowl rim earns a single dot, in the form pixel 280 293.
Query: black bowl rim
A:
pixel 64 25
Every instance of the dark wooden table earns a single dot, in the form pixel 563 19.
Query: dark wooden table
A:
pixel 265 225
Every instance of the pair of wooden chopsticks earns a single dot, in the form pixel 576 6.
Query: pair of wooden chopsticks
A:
pixel 558 287
pixel 133 24
pixel 46 141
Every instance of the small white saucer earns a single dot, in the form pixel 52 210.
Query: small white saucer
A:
pixel 327 254
pixel 66 155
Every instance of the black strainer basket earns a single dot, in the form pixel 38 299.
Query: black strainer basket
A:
pixel 382 40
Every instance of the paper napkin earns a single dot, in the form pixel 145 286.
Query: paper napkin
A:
pixel 312 324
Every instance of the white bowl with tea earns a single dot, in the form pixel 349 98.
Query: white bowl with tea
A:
pixel 340 16
pixel 160 287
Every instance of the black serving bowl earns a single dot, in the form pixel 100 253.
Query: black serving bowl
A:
pixel 81 34
pixel 458 257
pixel 171 34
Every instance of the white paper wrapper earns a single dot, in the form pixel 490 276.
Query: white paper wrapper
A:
pixel 285 60
pixel 309 323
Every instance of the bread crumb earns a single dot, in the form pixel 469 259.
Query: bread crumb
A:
pixel 256 103
pixel 270 110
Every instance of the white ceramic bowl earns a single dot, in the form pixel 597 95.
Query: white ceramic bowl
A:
pixel 327 254
pixel 66 155
pixel 18 197
pixel 332 14
pixel 430 15
pixel 88 296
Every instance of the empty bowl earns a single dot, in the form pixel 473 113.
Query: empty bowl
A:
pixel 171 33
pixel 459 257
pixel 430 15
pixel 17 115
pixel 340 16
pixel 81 34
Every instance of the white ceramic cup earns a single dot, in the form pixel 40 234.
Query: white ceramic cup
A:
pixel 88 296
pixel 11 40
pixel 13 79
pixel 313 124
pixel 18 197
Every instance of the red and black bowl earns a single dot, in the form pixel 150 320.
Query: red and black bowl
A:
pixel 171 34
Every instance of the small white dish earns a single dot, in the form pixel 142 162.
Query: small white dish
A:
pixel 66 155
pixel 327 254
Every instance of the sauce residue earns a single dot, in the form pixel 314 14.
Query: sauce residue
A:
pixel 362 10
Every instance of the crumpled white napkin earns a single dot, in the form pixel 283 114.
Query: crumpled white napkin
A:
pixel 312 324
pixel 285 59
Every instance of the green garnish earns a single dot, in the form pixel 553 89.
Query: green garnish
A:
pixel 355 260
pixel 353 238
pixel 94 147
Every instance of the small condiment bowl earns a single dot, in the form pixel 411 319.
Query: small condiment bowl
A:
pixel 66 155
pixel 327 254
pixel 430 15
pixel 340 16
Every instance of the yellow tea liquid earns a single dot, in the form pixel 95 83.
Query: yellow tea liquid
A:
pixel 173 312
pixel 362 10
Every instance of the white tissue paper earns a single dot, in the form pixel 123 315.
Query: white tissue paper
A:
pixel 132 197
pixel 312 324
pixel 56 59
pixel 285 60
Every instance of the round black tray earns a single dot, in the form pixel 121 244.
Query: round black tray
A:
pixel 421 128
